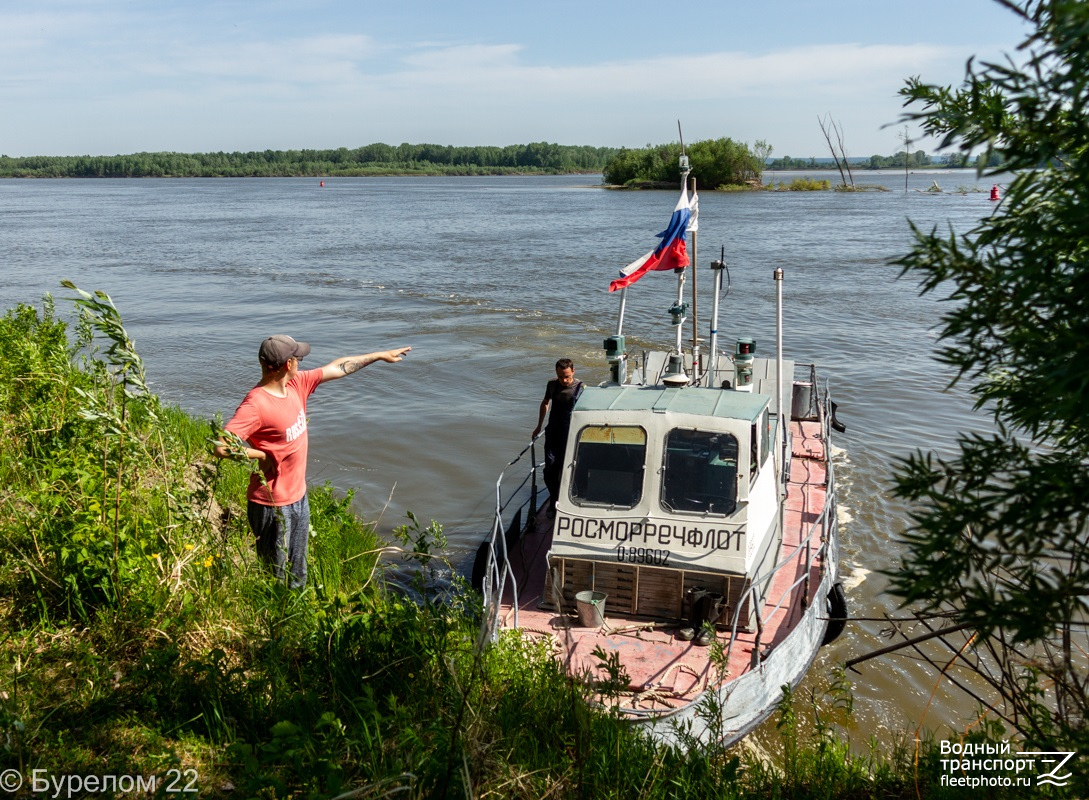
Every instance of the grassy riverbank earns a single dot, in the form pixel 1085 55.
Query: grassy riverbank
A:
pixel 141 641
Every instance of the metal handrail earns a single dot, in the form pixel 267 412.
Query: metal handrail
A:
pixel 821 518
pixel 762 618
pixel 820 522
pixel 499 569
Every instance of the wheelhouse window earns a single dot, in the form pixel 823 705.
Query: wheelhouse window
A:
pixel 761 431
pixel 765 435
pixel 700 472
pixel 609 465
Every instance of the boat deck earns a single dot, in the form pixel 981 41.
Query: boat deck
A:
pixel 664 671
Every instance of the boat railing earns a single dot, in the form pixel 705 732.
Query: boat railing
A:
pixel 817 531
pixel 788 592
pixel 521 498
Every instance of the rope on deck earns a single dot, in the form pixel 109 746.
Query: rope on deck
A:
pixel 654 693
pixel 557 648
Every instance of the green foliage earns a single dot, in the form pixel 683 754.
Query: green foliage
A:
pixel 715 163
pixel 343 553
pixel 901 160
pixel 815 757
pixel 616 679
pixel 790 163
pixel 428 544
pixel 1000 540
pixel 81 438
pixel 372 159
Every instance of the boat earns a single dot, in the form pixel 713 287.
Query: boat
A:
pixel 689 569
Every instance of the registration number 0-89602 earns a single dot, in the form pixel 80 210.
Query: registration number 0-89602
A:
pixel 643 555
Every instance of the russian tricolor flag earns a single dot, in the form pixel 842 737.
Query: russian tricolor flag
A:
pixel 670 254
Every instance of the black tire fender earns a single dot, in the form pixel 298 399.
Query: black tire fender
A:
pixel 836 604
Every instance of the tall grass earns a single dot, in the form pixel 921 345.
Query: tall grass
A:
pixel 800 185
pixel 139 634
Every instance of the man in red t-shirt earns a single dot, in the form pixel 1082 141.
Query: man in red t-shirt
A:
pixel 271 419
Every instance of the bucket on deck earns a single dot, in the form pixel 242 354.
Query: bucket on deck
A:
pixel 591 609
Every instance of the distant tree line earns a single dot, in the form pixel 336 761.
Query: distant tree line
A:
pixel 715 163
pixel 372 159
pixel 915 160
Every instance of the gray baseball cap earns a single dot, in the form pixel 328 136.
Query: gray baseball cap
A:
pixel 276 350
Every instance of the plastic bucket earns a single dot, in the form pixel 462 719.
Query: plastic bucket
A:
pixel 591 609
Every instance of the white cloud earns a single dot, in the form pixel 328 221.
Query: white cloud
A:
pixel 742 95
pixel 440 60
pixel 309 60
pixel 140 77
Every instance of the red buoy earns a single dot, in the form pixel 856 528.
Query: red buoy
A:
pixel 994 192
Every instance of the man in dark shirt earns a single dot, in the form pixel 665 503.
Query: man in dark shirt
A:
pixel 560 395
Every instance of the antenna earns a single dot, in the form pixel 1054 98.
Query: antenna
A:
pixel 684 157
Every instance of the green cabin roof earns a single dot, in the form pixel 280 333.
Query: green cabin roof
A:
pixel 698 400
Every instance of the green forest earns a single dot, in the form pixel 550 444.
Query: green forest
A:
pixel 715 162
pixel 915 160
pixel 371 159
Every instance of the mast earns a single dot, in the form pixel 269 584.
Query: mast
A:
pixel 614 346
pixel 712 355
pixel 675 374
pixel 782 444
pixel 695 307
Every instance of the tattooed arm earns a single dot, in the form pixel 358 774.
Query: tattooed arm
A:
pixel 349 364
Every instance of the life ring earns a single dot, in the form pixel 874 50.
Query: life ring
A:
pixel 836 604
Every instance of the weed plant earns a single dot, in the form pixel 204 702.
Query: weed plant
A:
pixel 139 634
pixel 800 185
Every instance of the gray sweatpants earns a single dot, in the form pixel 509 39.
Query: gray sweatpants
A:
pixel 282 545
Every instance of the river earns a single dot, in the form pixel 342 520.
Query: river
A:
pixel 490 280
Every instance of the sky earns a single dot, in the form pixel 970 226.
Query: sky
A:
pixel 105 77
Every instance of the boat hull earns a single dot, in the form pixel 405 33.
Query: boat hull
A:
pixel 727 713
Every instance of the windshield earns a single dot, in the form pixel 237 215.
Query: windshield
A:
pixel 700 472
pixel 609 462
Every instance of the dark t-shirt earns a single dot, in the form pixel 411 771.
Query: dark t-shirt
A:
pixel 563 400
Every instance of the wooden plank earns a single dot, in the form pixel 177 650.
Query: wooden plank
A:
pixel 617 581
pixel 651 592
pixel 578 576
pixel 660 593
